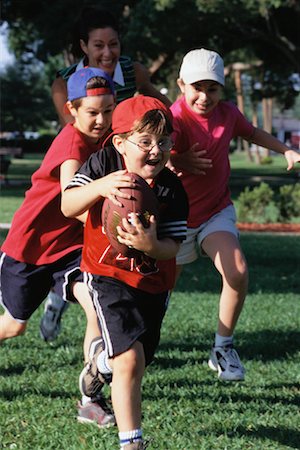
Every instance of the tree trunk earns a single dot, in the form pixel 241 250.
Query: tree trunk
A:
pixel 267 106
pixel 257 155
pixel 240 104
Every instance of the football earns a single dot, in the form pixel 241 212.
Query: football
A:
pixel 142 202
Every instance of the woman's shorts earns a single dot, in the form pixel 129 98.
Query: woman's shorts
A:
pixel 23 287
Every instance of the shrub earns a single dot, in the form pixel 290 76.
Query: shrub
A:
pixel 266 160
pixel 289 202
pixel 258 205
pixel 262 205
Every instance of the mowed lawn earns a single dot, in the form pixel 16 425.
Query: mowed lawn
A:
pixel 185 407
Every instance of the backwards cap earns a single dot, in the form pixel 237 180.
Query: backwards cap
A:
pixel 202 64
pixel 78 81
pixel 132 109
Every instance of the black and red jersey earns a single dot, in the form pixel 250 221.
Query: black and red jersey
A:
pixel 100 258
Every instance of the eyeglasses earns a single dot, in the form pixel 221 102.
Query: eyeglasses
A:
pixel 146 145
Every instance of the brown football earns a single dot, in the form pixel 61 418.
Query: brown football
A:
pixel 142 201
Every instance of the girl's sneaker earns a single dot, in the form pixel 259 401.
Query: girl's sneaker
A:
pixel 226 361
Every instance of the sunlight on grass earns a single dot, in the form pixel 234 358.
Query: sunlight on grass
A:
pixel 185 407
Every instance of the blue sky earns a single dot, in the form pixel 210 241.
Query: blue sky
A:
pixel 5 56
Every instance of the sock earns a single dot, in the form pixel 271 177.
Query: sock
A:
pixel 103 363
pixel 127 437
pixel 85 399
pixel 223 341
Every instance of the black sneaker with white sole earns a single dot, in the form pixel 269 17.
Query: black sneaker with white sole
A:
pixel 91 381
pixel 50 324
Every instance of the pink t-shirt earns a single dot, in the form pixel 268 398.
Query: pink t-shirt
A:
pixel 208 194
pixel 40 233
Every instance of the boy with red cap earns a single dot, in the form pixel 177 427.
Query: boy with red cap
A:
pixel 130 301
pixel 42 250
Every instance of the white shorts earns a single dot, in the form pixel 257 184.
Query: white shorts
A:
pixel 225 220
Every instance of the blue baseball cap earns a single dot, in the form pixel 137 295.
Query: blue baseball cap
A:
pixel 78 81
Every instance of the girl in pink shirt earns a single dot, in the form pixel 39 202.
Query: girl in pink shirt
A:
pixel 204 126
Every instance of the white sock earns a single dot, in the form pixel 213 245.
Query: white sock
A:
pixel 126 437
pixel 223 341
pixel 103 363
pixel 85 399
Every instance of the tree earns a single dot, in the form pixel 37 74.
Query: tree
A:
pixel 164 28
pixel 159 32
pixel 25 99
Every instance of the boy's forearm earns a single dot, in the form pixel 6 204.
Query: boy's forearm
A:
pixel 76 201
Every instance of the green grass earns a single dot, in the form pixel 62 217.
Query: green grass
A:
pixel 12 194
pixel 185 407
pixel 243 174
pixel 242 166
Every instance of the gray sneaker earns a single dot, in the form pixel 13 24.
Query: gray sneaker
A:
pixel 91 381
pixel 50 322
pixel 96 412
pixel 226 361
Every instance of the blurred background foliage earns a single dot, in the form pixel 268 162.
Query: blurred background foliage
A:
pixel 263 35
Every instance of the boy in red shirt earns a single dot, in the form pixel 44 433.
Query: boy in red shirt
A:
pixel 203 128
pixel 130 295
pixel 42 250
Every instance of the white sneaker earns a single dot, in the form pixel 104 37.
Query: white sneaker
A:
pixel 226 361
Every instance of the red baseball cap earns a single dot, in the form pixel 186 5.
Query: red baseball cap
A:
pixel 128 111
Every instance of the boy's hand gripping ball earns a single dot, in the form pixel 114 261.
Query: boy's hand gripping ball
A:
pixel 143 202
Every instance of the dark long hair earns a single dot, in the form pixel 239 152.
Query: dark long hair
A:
pixel 90 19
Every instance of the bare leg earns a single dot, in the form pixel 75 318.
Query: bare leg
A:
pixel 225 251
pixel 10 327
pixel 81 293
pixel 128 371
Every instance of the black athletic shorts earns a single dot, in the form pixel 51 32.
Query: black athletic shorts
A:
pixel 127 315
pixel 23 287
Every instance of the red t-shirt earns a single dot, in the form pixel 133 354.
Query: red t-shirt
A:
pixel 99 257
pixel 40 233
pixel 208 194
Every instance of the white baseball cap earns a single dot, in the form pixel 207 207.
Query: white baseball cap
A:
pixel 202 64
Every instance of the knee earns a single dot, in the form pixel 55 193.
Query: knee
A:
pixel 131 363
pixel 237 278
pixel 18 331
pixel 10 328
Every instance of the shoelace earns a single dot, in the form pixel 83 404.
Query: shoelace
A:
pixel 100 400
pixel 232 356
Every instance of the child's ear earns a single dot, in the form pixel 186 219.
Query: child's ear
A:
pixel 70 109
pixel 181 85
pixel 118 143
